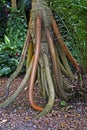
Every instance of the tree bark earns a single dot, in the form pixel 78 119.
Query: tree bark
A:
pixel 13 4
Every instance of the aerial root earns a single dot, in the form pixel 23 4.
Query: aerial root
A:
pixel 51 98
pixel 63 70
pixel 35 64
pixel 10 99
pixel 62 44
pixel 29 54
pixel 44 86
pixel 56 67
pixel 19 67
pixel 65 63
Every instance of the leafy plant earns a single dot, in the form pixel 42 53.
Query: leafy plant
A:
pixel 8 57
pixel 16 29
pixel 62 103
pixel 12 46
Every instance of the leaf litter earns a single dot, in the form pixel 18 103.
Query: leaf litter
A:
pixel 20 116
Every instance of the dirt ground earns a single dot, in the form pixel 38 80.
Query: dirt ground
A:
pixel 20 116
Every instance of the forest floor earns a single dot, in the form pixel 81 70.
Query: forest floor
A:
pixel 20 116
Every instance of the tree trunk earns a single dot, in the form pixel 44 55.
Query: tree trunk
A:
pixel 49 62
pixel 13 4
pixel 40 7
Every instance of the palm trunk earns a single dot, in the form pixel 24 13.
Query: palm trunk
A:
pixel 13 4
pixel 40 7
pixel 46 59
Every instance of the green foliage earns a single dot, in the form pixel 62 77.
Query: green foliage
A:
pixel 16 29
pixel 11 48
pixel 73 17
pixel 3 1
pixel 26 3
pixel 62 103
pixel 8 57
pixel 25 7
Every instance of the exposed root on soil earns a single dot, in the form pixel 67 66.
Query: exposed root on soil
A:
pixel 35 65
pixel 11 98
pixel 19 67
pixel 51 97
pixel 56 68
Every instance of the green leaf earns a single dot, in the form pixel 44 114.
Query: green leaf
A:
pixel 63 103
pixel 5 70
pixel 7 41
pixel 80 76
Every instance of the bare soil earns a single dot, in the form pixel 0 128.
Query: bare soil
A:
pixel 20 116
